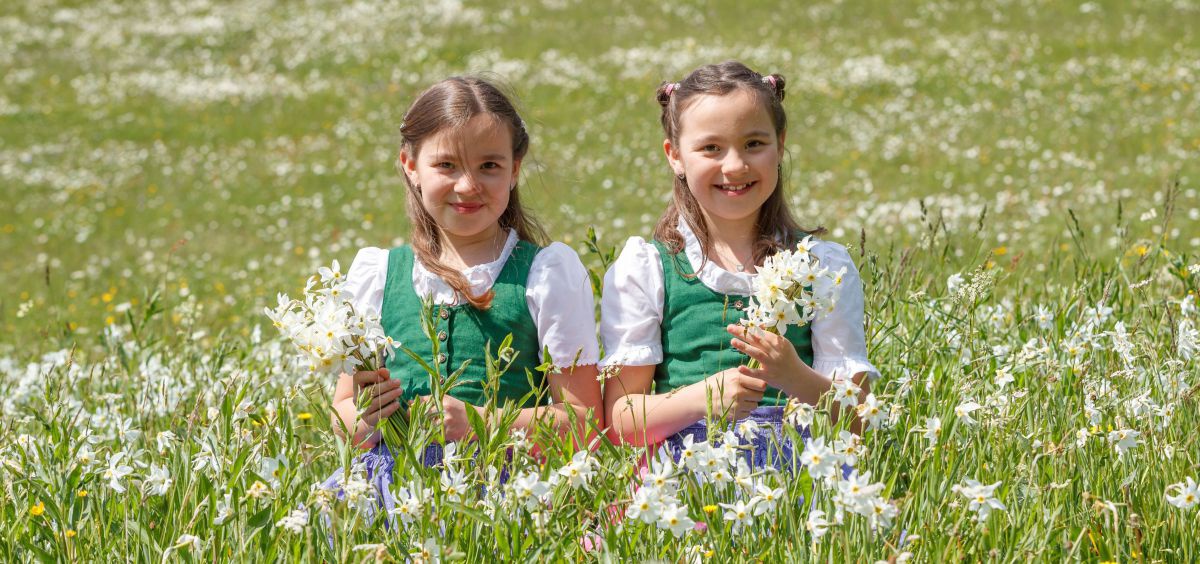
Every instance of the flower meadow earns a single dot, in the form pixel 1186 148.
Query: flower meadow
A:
pixel 1016 181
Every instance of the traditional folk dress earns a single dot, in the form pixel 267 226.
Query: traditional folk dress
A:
pixel 658 310
pixel 543 297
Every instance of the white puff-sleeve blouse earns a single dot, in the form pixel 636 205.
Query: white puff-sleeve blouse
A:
pixel 631 308
pixel 558 293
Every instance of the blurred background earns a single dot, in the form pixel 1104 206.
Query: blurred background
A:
pixel 218 152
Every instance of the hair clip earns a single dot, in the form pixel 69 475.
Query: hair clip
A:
pixel 770 79
pixel 670 89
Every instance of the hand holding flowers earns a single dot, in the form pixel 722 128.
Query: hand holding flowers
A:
pixel 792 288
pixel 334 338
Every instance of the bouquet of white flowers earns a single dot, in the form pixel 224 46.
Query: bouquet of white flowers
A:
pixel 334 337
pixel 792 288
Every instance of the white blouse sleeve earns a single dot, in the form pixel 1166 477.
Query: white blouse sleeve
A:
pixel 631 307
pixel 839 342
pixel 560 299
pixel 366 279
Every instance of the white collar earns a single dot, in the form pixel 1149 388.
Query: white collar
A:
pixel 716 278
pixel 480 277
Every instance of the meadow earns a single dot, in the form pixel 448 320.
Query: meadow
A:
pixel 1017 181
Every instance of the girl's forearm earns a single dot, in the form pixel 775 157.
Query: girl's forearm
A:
pixel 345 416
pixel 567 419
pixel 813 385
pixel 645 419
pixel 809 387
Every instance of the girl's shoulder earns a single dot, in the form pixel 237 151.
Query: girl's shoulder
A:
pixel 832 255
pixel 368 262
pixel 638 253
pixel 555 263
pixel 367 277
pixel 556 253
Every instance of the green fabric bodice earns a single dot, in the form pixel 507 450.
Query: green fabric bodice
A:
pixel 694 341
pixel 463 332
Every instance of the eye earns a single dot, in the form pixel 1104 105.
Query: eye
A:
pixel 710 148
pixel 490 165
pixel 444 164
pixel 753 143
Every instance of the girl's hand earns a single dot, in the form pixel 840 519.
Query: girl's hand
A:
pixel 383 391
pixel 733 394
pixel 781 366
pixel 455 425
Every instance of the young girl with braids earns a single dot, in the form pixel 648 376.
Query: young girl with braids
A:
pixel 484 262
pixel 671 306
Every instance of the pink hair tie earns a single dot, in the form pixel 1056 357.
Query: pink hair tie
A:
pixel 670 89
pixel 770 79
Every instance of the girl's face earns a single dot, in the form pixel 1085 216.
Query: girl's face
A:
pixel 729 153
pixel 465 175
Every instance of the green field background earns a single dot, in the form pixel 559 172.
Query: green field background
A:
pixel 166 168
pixel 231 147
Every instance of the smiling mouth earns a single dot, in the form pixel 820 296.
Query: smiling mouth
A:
pixel 464 207
pixel 735 187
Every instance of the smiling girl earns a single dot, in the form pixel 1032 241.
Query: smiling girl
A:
pixel 671 306
pixel 481 259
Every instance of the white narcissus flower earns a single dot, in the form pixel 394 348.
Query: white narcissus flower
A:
pixel 330 273
pixel 580 470
pixel 531 491
pixel 953 282
pixel 964 411
pixel 765 498
pixel 1187 339
pixel 189 542
pixel 846 392
pixel 932 429
pixel 675 518
pixel 410 500
pixel 1187 494
pixel 848 447
pixel 821 461
pixel 981 499
pixel 1044 318
pixel 116 472
pixel 816 525
pixel 158 482
pixel 164 440
pixel 661 474
pixel 740 513
pixel 258 490
pixel 798 413
pixel 224 510
pixel 882 513
pixel 428 552
pixel 296 521
pixel 1123 440
pixel 873 411
pixel 792 288
pixel 454 484
pixel 647 505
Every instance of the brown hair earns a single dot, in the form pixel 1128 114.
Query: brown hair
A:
pixel 452 103
pixel 776 228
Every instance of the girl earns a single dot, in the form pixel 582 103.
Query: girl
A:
pixel 481 258
pixel 670 306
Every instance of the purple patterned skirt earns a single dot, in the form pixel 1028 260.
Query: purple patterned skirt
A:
pixel 769 445
pixel 379 463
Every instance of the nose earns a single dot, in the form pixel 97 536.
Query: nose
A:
pixel 466 184
pixel 734 163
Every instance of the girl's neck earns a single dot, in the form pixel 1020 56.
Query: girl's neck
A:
pixel 735 234
pixel 473 250
pixel 732 242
